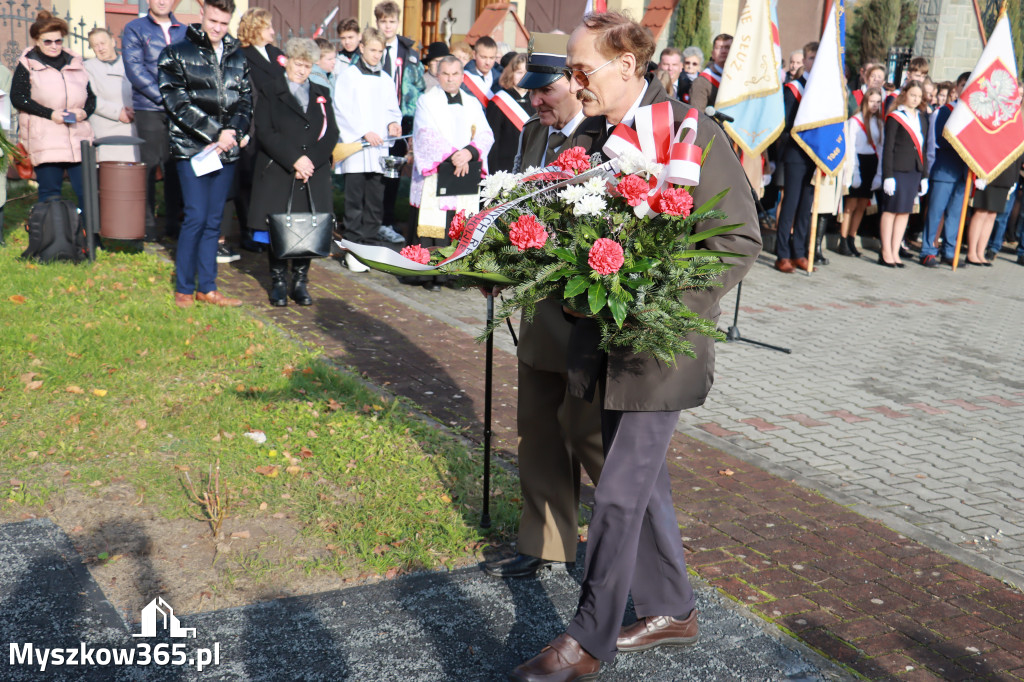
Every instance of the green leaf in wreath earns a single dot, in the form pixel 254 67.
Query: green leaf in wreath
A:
pixel 701 253
pixel 711 202
pixel 566 255
pixel 641 265
pixel 575 286
pixel 597 297
pixel 711 232
pixel 636 283
pixel 618 309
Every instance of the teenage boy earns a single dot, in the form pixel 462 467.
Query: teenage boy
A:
pixel 482 73
pixel 348 35
pixel 402 64
pixel 204 80
pixel 141 42
pixel 369 114
pixel 323 70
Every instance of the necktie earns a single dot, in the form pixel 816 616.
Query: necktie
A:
pixel 387 61
pixel 555 141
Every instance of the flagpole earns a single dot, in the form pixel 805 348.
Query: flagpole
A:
pixel 818 179
pixel 963 218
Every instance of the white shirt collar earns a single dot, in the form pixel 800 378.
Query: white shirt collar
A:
pixel 570 127
pixel 630 116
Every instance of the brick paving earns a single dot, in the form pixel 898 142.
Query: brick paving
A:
pixel 861 420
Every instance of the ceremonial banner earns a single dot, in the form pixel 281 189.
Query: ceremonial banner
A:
pixel 820 125
pixel 751 91
pixel 986 127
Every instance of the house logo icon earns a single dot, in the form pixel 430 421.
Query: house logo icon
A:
pixel 158 611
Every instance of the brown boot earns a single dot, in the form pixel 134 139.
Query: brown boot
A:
pixel 217 298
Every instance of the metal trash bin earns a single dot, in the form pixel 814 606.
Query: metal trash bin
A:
pixel 122 189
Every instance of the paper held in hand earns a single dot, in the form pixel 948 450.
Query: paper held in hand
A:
pixel 206 161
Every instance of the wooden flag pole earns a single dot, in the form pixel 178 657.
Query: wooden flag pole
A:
pixel 963 218
pixel 819 178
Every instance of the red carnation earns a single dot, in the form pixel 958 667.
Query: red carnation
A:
pixel 676 201
pixel 527 233
pixel 415 252
pixel 633 189
pixel 605 256
pixel 573 160
pixel 457 226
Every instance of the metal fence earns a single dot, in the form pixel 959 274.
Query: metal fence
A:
pixel 17 17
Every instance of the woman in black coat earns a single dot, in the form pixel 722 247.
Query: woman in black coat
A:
pixel 505 128
pixel 906 129
pixel 296 141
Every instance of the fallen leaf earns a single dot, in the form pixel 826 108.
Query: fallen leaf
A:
pixel 307 371
pixel 182 467
pixel 726 472
pixel 141 424
pixel 15 483
pixel 311 434
pixel 241 534
pixel 33 385
pixel 95 484
pixel 305 453
pixel 293 470
pixel 269 470
pixel 27 377
pixel 446 499
pixel 263 506
pixel 392 572
pixel 333 405
pixel 279 515
pixel 99 392
pixel 16 299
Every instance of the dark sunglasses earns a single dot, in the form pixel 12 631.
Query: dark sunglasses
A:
pixel 56 41
pixel 582 77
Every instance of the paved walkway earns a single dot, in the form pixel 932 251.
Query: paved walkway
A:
pixel 869 345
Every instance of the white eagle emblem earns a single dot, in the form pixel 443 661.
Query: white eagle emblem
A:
pixel 996 99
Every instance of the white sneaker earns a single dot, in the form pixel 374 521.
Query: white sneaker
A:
pixel 354 265
pixel 387 232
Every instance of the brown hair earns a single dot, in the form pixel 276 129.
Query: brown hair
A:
pixel 810 47
pixel 670 51
pixel 508 76
pixel 721 38
pixel 370 34
pixel 485 41
pixel 388 8
pixel 350 24
pixel 252 24
pixel 617 34
pixel 901 99
pixel 223 5
pixel 918 65
pixel 866 115
pixel 47 23
pixel 665 78
pixel 325 46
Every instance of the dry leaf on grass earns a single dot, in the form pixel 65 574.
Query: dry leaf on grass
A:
pixel 100 392
pixel 726 472
pixel 74 389
pixel 241 534
pixel 270 470
pixel 16 299
pixel 33 385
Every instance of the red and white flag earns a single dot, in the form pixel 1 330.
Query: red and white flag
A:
pixel 595 7
pixel 475 85
pixel 986 127
pixel 511 108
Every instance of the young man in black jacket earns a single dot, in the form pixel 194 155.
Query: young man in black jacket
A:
pixel 204 81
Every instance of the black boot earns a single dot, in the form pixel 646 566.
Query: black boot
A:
pixel 851 244
pixel 278 281
pixel 300 276
pixel 843 249
pixel 819 254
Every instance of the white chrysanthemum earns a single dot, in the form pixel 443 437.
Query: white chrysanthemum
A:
pixel 532 170
pixel 497 184
pixel 632 161
pixel 595 186
pixel 590 205
pixel 572 194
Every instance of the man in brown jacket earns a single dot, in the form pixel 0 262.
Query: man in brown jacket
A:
pixel 558 433
pixel 634 544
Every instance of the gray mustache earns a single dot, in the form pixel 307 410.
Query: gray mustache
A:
pixel 585 95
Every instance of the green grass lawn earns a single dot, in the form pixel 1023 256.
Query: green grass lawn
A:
pixel 103 379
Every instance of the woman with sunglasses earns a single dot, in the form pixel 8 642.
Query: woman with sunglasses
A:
pixel 52 95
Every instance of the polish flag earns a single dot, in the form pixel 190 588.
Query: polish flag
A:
pixel 986 127
pixel 596 7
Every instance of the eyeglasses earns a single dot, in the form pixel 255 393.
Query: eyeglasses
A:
pixel 56 41
pixel 583 77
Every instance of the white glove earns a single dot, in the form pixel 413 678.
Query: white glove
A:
pixel 766 180
pixel 924 187
pixel 889 186
pixel 856 179
pixel 980 184
pixel 876 184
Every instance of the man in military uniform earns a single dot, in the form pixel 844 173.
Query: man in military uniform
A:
pixel 557 432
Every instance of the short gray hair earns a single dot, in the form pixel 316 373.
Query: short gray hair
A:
pixel 305 49
pixel 693 51
pixel 448 59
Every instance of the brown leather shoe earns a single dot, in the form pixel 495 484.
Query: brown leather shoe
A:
pixel 183 300
pixel 784 265
pixel 653 631
pixel 217 298
pixel 562 660
pixel 800 263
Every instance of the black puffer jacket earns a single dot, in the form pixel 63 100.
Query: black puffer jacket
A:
pixel 203 97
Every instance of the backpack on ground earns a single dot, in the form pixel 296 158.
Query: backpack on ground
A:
pixel 55 232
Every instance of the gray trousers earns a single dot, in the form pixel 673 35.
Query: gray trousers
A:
pixel 634 543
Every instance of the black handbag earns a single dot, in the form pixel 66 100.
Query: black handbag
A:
pixel 300 235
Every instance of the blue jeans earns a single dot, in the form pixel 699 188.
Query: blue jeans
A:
pixel 197 244
pixel 50 177
pixel 999 231
pixel 946 199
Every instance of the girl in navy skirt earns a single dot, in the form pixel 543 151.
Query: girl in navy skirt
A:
pixel 864 132
pixel 906 129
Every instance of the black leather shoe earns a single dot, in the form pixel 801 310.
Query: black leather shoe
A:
pixel 518 566
pixel 1020 259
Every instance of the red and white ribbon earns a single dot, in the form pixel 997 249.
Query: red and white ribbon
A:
pixel 654 138
pixel 322 101
pixel 511 108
